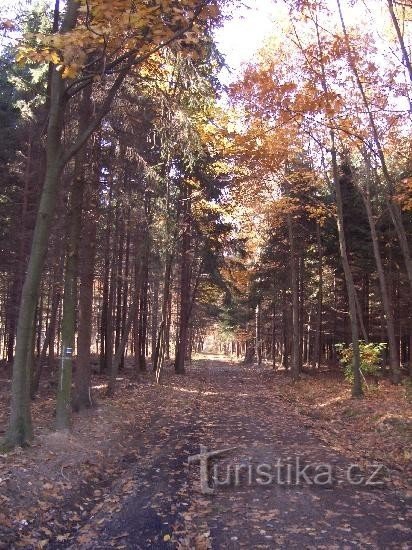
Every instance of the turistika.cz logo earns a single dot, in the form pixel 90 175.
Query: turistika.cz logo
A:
pixel 290 472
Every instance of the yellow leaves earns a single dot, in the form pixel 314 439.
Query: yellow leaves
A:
pixel 64 52
pixel 22 56
pixel 70 71
pixel 320 212
pixel 203 206
pixel 54 58
pixel 108 29
pixel 238 277
pixel 30 55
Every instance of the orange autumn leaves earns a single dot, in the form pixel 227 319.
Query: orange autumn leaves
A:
pixel 288 112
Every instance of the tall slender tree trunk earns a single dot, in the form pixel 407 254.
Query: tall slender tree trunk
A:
pixel 126 285
pixel 273 346
pixel 114 367
pixel 317 352
pixel 386 301
pixel 285 342
pixel 163 333
pixel 258 328
pixel 295 301
pixel 16 287
pixel 350 286
pixel 402 44
pixel 50 333
pixel 119 286
pixel 155 314
pixel 301 287
pixel 20 425
pixel 110 304
pixel 143 308
pixel 82 380
pixel 70 294
pixel 181 343
pixel 105 300
pixel 104 365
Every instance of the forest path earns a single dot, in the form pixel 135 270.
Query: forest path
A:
pixel 220 405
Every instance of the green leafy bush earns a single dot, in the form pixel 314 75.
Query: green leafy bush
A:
pixel 370 358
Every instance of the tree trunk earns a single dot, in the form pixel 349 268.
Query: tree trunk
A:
pixel 350 286
pixel 114 367
pixel 181 343
pixel 50 333
pixel 258 345
pixel 20 426
pixel 317 352
pixel 143 307
pixel 285 346
pixel 405 55
pixel 126 285
pixel 295 301
pixel 386 301
pixel 155 313
pixel 273 346
pixel 82 379
pixel 163 334
pixel 70 294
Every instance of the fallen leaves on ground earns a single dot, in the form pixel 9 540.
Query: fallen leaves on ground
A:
pixel 122 474
pixel 375 428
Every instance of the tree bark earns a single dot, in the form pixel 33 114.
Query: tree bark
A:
pixel 386 301
pixel 82 380
pixel 273 346
pixel 285 342
pixel 70 294
pixel 155 314
pixel 294 367
pixel 20 426
pixel 163 334
pixel 143 307
pixel 50 333
pixel 317 352
pixel 258 345
pixel 181 344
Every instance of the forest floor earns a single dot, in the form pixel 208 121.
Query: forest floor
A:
pixel 123 477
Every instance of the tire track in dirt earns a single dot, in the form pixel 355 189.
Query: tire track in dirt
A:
pixel 147 517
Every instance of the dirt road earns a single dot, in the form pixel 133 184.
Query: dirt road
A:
pixel 281 487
